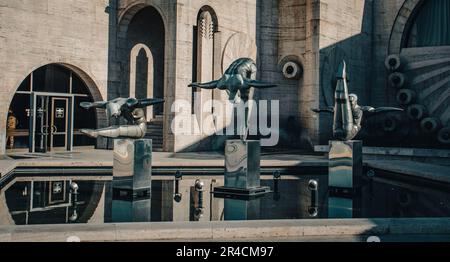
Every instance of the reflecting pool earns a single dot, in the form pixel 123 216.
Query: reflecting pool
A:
pixel 95 199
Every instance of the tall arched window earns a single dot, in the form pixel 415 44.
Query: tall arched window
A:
pixel 145 52
pixel 203 65
pixel 431 25
pixel 141 74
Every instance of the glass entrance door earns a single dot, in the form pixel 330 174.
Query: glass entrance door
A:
pixel 51 124
pixel 59 123
pixel 41 128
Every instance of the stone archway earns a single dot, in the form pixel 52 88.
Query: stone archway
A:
pixel 100 115
pixel 77 87
pixel 401 25
pixel 420 76
pixel 135 53
pixel 141 53
pixel 132 39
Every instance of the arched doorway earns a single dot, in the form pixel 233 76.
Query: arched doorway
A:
pixel 45 115
pixel 204 42
pixel 145 50
pixel 141 53
pixel 141 75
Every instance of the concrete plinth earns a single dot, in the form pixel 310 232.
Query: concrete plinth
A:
pixel 242 210
pixel 242 171
pixel 242 164
pixel 132 182
pixel 345 164
pixel 344 178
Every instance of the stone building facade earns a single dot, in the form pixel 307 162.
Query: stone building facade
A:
pixel 155 48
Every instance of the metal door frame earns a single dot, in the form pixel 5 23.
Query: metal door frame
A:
pixel 52 121
pixel 69 119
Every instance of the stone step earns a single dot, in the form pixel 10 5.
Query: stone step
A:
pixel 155 140
pixel 158 123
pixel 156 128
pixel 153 132
pixel 150 132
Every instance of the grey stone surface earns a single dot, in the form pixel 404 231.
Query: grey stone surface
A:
pixel 326 230
pixel 414 169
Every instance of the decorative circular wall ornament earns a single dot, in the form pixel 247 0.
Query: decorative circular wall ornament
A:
pixel 292 70
pixel 427 73
pixel 393 63
pixel 406 96
pixel 417 112
pixel 390 124
pixel 397 80
pixel 444 136
pixel 426 93
pixel 239 45
pixel 430 125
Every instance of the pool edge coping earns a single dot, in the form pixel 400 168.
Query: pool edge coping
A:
pixel 226 230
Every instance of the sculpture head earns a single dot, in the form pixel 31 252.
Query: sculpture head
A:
pixel 113 109
pixel 353 100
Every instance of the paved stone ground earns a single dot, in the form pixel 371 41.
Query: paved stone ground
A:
pixel 345 239
pixel 325 230
pixel 102 158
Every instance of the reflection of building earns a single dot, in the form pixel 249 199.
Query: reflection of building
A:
pixel 57 54
pixel 46 103
pixel 28 201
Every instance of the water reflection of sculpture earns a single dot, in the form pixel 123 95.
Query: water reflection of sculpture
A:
pixel 131 109
pixel 238 80
pixel 348 115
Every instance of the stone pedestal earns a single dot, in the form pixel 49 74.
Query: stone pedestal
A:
pixel 132 180
pixel 344 204
pixel 346 164
pixel 345 178
pixel 242 170
pixel 240 210
pixel 242 164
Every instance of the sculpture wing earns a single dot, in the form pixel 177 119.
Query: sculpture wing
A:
pixel 259 84
pixel 89 105
pixel 208 85
pixel 150 102
pixel 323 110
pixel 370 111
pixel 132 102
